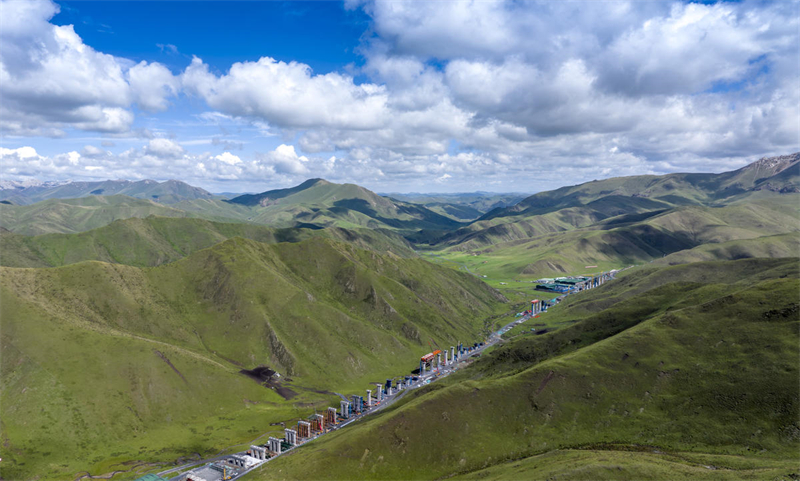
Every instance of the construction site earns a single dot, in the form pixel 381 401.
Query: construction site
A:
pixel 433 365
pixel 568 285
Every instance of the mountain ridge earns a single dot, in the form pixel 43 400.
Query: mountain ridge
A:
pixel 167 192
pixel 694 187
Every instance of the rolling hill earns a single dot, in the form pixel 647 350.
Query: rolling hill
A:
pixel 153 241
pixel 461 206
pixel 687 372
pixel 77 215
pixel 628 239
pixel 775 174
pixel 630 220
pixel 127 340
pixel 568 208
pixel 781 245
pixel 108 363
pixel 317 202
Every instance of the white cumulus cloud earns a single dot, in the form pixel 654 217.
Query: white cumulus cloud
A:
pixel 164 148
pixel 50 79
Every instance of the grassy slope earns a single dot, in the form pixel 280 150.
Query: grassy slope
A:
pixel 707 365
pixel 640 464
pixel 483 233
pixel 319 204
pixel 157 240
pixel 675 189
pixel 461 207
pixel 619 242
pixel 82 385
pixel 347 205
pixel 614 211
pixel 782 245
pixel 77 215
pixel 582 205
pixel 457 212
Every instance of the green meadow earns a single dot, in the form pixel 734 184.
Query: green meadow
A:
pixel 108 363
pixel 666 368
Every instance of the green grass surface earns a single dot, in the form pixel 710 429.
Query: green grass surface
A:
pixel 697 361
pixel 85 388
pixel 641 464
pixel 782 245
pixel 461 207
pixel 768 176
pixel 77 215
pixel 129 352
pixel 323 203
pixel 157 240
pixel 314 204
pixel 619 242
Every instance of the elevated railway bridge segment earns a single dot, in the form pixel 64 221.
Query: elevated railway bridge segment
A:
pixel 433 366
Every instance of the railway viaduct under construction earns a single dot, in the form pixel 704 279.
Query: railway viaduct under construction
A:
pixel 356 405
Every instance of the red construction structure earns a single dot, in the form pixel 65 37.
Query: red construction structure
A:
pixel 304 429
pixel 330 417
pixel 428 358
pixel 317 423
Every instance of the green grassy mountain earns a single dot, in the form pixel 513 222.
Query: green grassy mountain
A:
pixel 153 241
pixel 461 206
pixel 568 208
pixel 167 192
pixel 775 174
pixel 77 215
pixel 321 203
pixel 105 364
pixel 631 220
pixel 630 239
pixel 315 204
pixel 782 245
pixel 125 343
pixel 684 372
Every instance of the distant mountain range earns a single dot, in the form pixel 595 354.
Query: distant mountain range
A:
pixel 461 206
pixel 168 192
pixel 775 174
pixel 20 185
pixel 643 217
pixel 317 202
pixel 618 202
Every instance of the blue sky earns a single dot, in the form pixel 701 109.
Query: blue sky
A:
pixel 395 96
pixel 323 35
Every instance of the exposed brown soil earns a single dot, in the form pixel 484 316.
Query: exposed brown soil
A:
pixel 318 391
pixel 164 358
pixel 285 392
pixel 546 379
pixel 265 376
pixel 259 374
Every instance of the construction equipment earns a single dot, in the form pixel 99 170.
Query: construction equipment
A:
pixel 227 473
pixel 434 352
